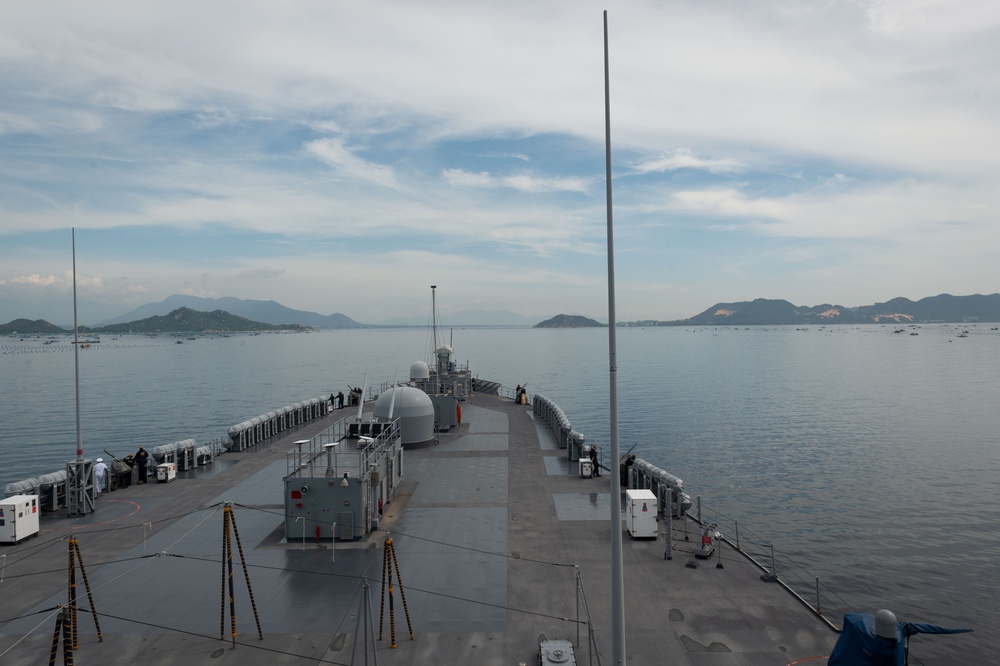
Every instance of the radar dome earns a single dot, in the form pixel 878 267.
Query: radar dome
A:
pixel 419 370
pixel 413 408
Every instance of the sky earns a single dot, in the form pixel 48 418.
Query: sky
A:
pixel 344 156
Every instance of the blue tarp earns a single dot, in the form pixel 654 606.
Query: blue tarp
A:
pixel 859 645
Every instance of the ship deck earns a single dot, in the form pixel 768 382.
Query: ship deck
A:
pixel 497 540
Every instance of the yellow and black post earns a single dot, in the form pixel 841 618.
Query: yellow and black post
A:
pixel 390 563
pixel 90 595
pixel 76 557
pixel 229 531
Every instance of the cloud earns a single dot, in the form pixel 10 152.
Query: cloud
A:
pixel 346 163
pixel 684 158
pixel 522 182
pixel 36 280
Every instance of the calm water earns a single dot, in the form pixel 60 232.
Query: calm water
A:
pixel 868 456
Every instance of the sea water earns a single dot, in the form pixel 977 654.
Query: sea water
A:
pixel 869 454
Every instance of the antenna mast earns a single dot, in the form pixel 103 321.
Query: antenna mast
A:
pixel 434 321
pixel 617 575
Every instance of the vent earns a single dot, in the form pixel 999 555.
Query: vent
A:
pixel 345 526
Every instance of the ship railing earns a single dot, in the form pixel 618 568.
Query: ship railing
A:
pixel 555 418
pixel 339 448
pixel 506 392
pixel 775 566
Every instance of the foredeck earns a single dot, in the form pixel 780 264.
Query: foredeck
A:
pixel 491 529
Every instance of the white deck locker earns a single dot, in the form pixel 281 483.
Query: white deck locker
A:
pixel 18 518
pixel 640 513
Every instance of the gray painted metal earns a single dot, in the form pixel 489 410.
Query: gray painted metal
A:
pixel 489 545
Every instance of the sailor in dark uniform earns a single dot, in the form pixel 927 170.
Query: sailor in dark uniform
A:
pixel 141 459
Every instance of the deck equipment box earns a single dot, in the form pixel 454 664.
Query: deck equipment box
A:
pixel 166 472
pixel 18 518
pixel 640 513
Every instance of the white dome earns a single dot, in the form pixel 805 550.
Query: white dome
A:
pixel 414 409
pixel 419 370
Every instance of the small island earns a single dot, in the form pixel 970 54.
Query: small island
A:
pixel 568 321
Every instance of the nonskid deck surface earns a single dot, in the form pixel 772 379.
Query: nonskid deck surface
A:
pixel 489 530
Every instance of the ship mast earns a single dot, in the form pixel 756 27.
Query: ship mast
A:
pixel 617 575
pixel 434 316
pixel 76 357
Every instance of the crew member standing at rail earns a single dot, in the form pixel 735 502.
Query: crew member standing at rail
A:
pixel 100 475
pixel 593 461
pixel 141 457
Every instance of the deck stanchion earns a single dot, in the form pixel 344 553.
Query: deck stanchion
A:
pixel 76 556
pixel 390 562
pixel 772 576
pixel 369 628
pixel 86 586
pixel 229 532
pixel 578 583
pixel 55 638
pixel 246 574
pixel 718 548
pixel 228 563
pixel 222 609
pixel 67 633
pixel 71 596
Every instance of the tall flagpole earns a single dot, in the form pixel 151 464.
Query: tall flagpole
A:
pixel 617 575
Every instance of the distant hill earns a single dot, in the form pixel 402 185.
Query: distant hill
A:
pixel 267 312
pixel 30 327
pixel 186 320
pixel 762 311
pixel 568 321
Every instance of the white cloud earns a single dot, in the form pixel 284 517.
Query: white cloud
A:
pixel 684 158
pixel 36 280
pixel 523 182
pixel 333 152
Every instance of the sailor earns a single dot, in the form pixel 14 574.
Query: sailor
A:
pixel 625 468
pixel 340 400
pixel 593 461
pixel 100 475
pixel 141 457
pixel 126 476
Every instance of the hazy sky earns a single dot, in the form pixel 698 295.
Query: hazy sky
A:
pixel 343 156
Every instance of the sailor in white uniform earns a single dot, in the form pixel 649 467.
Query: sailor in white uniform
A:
pixel 100 474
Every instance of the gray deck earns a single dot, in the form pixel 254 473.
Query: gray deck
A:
pixel 489 529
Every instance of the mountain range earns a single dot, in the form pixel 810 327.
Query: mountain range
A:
pixel 762 311
pixel 266 312
pixel 941 308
